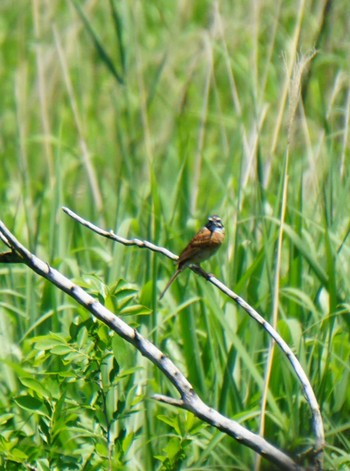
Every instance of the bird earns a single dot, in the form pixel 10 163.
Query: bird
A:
pixel 203 246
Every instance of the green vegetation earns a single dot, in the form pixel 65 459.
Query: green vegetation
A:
pixel 146 117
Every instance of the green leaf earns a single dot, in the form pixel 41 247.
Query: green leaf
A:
pixel 47 342
pixel 32 404
pixel 35 385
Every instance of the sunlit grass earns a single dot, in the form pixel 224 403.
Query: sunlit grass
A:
pixel 146 118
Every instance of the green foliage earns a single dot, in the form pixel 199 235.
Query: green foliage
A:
pixel 71 403
pixel 146 117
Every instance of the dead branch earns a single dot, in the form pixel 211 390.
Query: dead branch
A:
pixel 294 362
pixel 189 399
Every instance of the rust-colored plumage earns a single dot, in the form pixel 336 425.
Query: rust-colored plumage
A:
pixel 203 245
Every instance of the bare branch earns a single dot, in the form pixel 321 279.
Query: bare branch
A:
pixel 189 399
pixel 301 375
pixel 10 257
pixel 296 366
pixel 142 244
pixel 169 400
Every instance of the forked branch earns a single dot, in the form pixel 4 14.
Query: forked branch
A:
pixel 296 366
pixel 189 400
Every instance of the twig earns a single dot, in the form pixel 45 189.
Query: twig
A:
pixel 296 366
pixel 189 399
pixel 142 244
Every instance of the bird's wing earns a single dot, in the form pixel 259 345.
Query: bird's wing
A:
pixel 199 241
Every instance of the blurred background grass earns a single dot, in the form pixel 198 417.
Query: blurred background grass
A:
pixel 146 117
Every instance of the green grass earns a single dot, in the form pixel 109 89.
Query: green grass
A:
pixel 146 117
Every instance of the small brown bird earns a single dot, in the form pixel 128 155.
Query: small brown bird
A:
pixel 203 245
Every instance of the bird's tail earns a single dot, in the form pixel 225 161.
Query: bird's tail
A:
pixel 175 275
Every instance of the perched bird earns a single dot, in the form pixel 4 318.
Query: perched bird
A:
pixel 203 245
